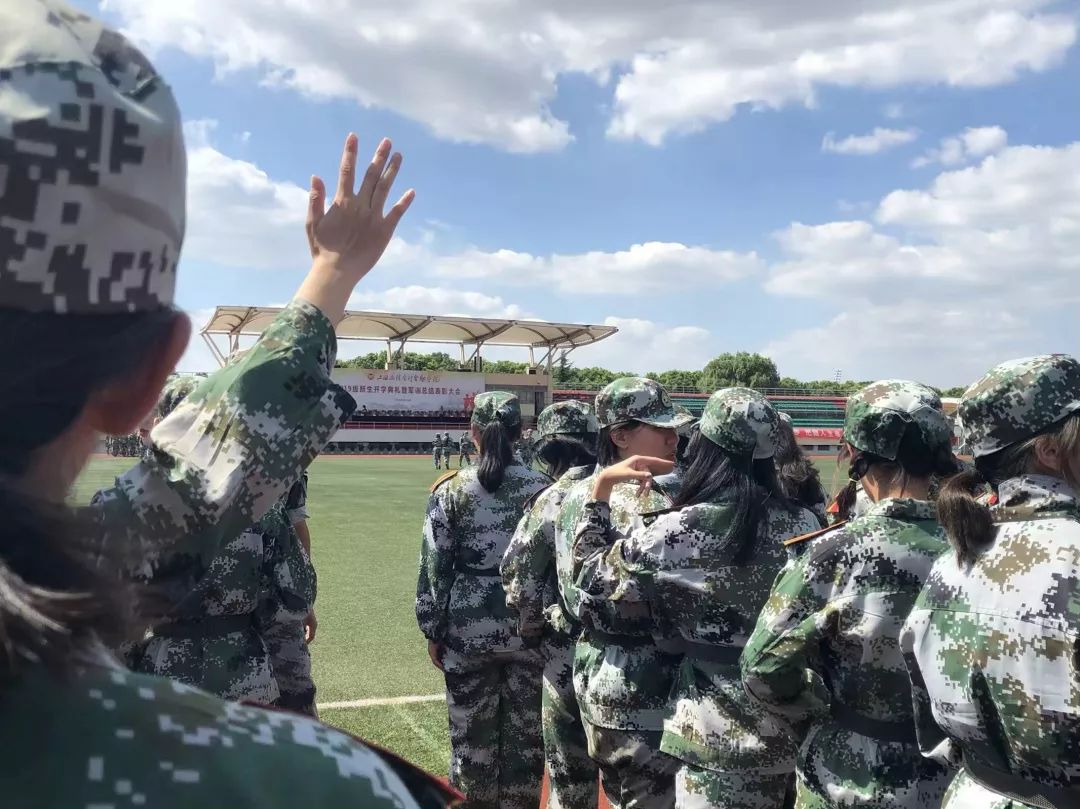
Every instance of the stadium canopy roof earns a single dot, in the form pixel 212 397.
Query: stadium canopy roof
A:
pixel 555 340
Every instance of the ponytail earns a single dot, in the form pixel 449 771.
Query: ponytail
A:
pixel 496 453
pixel 967 522
pixel 845 501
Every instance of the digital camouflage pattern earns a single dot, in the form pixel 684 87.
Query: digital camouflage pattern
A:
pixel 115 738
pixel 436 450
pixel 566 418
pixel 465 449
pixel 532 594
pixel 176 390
pixel 837 611
pixel 492 677
pixel 639 399
pixel 878 416
pixel 496 405
pixel 92 214
pixel 742 422
pixel 698 788
pixel 991 649
pixel 1017 400
pixel 676 582
pixel 224 457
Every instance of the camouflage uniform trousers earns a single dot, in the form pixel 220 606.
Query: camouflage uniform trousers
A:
pixel 291 663
pixel 636 775
pixel 436 454
pixel 446 453
pixel 497 755
pixel 698 788
pixel 464 457
pixel 573 777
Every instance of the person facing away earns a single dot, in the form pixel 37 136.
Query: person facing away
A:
pixel 90 131
pixel 465 450
pixel 991 644
pixel 447 450
pixel 623 681
pixel 566 451
pixel 209 636
pixel 825 653
pixel 694 580
pixel 436 450
pixel 492 678
pixel 798 476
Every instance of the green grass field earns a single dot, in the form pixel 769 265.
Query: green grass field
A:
pixel 366 516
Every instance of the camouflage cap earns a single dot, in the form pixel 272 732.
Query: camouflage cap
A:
pixel 176 390
pixel 1017 400
pixel 92 209
pixel 639 399
pixel 691 420
pixel 878 416
pixel 742 422
pixel 496 405
pixel 567 418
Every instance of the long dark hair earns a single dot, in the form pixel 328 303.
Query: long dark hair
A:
pixel 496 453
pixel 58 596
pixel 715 475
pixel 558 453
pixel 799 478
pixel 968 523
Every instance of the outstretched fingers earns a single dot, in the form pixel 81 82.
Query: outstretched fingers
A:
pixel 316 209
pixel 399 208
pixel 374 172
pixel 347 171
pixel 385 183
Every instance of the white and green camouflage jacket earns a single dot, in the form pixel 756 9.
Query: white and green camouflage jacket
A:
pixel 460 601
pixel 993 650
pixel 826 653
pixel 676 582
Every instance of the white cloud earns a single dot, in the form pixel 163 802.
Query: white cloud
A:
pixel 644 345
pixel 893 111
pixel 484 72
pixel 648 267
pixel 980 264
pixel 880 140
pixel 436 301
pixel 971 144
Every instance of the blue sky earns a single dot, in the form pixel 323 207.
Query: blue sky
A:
pixel 888 189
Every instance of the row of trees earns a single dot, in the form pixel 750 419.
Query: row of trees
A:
pixel 727 370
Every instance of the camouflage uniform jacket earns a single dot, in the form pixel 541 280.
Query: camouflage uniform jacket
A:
pixel 991 648
pixel 460 601
pixel 233 446
pixel 603 666
pixel 528 567
pixel 676 581
pixel 293 583
pixel 838 610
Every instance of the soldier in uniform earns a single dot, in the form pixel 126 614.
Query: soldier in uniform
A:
pixel 825 652
pixel 567 451
pixel 436 450
pixel 622 682
pixel 287 614
pixel 210 638
pixel 92 220
pixel 447 450
pixel 465 450
pixel 492 678
pixel 694 580
pixel 991 642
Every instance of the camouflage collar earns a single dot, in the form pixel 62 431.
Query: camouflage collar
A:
pixel 1032 497
pixel 902 508
pixel 576 473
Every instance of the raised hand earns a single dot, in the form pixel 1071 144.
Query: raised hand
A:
pixel 638 469
pixel 347 240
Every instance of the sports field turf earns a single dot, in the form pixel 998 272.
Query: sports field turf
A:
pixel 366 515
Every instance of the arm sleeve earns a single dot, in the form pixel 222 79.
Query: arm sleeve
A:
pixel 614 580
pixel 436 577
pixel 933 742
pixel 528 566
pixel 296 500
pixel 230 450
pixel 775 663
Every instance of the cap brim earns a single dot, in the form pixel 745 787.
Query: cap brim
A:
pixel 672 421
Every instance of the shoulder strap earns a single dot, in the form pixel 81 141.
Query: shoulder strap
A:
pixel 443 480
pixel 530 501
pixel 813 534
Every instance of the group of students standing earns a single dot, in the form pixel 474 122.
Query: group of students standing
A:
pixel 664 606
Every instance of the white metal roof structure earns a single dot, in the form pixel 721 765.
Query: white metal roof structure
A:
pixel 555 340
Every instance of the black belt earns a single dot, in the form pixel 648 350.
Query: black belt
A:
pixel 204 626
pixel 491 572
pixel 727 655
pixel 1020 789
pixel 629 641
pixel 879 729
